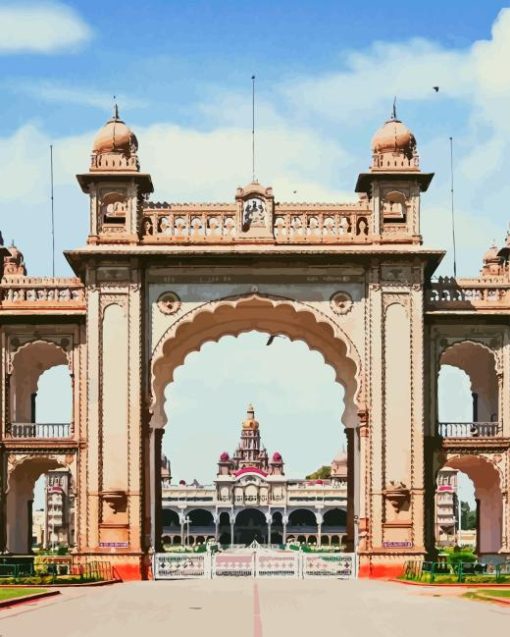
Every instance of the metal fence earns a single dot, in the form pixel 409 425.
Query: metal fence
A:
pixel 430 572
pixel 254 563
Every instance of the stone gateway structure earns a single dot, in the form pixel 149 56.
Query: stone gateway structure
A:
pixel 156 280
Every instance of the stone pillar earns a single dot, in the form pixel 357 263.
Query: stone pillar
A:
pixel 320 520
pixel 232 523
pixel 350 433
pixel 155 442
pixel 216 517
pixel 269 519
pixel 285 521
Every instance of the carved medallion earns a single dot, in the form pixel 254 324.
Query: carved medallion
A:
pixel 341 302
pixel 169 303
pixel 254 212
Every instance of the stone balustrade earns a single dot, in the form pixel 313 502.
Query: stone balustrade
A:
pixel 464 294
pixel 469 429
pixel 219 223
pixel 25 292
pixel 39 430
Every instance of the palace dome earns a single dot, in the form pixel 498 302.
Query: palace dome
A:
pixel 492 253
pixel 250 422
pixel 277 456
pixel 224 457
pixel 115 137
pixel 394 137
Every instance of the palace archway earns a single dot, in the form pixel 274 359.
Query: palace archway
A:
pixel 273 315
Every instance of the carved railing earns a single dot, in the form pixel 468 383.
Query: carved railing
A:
pixel 219 223
pixel 468 429
pixel 40 430
pixel 453 293
pixel 18 292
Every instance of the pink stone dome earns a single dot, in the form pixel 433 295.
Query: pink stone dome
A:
pixel 394 136
pixel 115 136
pixel 224 457
pixel 277 456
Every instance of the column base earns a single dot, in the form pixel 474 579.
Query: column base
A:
pixel 379 565
pixel 127 566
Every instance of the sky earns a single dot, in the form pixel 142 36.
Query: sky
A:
pixel 326 75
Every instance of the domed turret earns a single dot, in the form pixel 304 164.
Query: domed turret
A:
pixel 114 148
pixel 250 422
pixel 14 263
pixel 224 457
pixel 339 466
pixel 115 137
pixel 394 146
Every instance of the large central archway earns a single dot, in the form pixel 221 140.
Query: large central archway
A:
pixel 233 316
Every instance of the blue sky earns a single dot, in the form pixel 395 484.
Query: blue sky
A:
pixel 326 76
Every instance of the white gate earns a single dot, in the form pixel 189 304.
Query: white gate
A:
pixel 234 564
pixel 339 565
pixel 181 566
pixel 258 562
pixel 277 564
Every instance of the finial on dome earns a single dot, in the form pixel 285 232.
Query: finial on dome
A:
pixel 116 111
pixel 393 116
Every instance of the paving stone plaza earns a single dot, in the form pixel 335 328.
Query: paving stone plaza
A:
pixel 255 608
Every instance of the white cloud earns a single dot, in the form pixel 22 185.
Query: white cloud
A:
pixel 57 93
pixel 42 27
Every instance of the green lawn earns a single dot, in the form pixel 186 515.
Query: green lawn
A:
pixel 487 594
pixel 12 593
pixel 493 593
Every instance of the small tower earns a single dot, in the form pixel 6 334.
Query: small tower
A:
pixel 13 262
pixel 115 185
pixel 394 183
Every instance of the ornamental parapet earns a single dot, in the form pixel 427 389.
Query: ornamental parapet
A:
pixel 450 294
pixel 27 293
pixel 166 223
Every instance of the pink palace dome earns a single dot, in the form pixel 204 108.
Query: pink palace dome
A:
pixel 224 457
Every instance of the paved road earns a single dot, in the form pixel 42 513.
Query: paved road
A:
pixel 254 608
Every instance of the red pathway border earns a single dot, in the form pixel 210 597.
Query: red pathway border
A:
pixel 449 585
pixel 28 598
pixel 75 584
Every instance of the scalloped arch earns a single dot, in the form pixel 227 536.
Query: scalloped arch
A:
pixel 467 341
pixel 232 316
pixel 43 341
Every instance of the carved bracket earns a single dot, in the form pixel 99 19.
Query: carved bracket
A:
pixel 397 494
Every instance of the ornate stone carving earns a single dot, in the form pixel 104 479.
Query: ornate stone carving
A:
pixel 169 303
pixel 397 494
pixel 341 302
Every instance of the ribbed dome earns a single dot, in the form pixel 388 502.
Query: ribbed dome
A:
pixel 394 136
pixel 115 136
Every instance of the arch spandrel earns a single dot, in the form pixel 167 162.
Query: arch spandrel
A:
pixel 232 316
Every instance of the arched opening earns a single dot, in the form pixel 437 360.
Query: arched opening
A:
pixel 272 319
pixel 58 504
pixel 302 520
pixel 456 510
pixel 250 525
pixel 489 499
pixel 170 522
pixel 334 521
pixel 40 392
pixel 468 393
pixel 200 522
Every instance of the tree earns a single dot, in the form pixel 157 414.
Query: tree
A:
pixel 468 516
pixel 322 473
